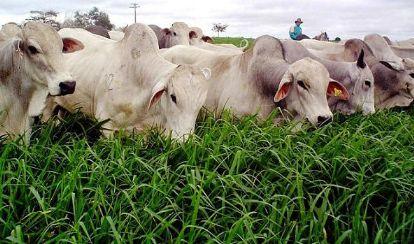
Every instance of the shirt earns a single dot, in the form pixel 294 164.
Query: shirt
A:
pixel 295 31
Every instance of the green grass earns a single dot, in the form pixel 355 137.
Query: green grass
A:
pixel 232 40
pixel 234 181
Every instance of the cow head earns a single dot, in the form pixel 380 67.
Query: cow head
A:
pixel 304 87
pixel 40 49
pixel 178 34
pixel 394 83
pixel 180 95
pixel 360 84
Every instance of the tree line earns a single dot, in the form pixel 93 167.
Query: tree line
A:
pixel 80 19
pixel 92 17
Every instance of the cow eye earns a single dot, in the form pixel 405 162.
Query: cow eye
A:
pixel 302 84
pixel 368 83
pixel 412 75
pixel 174 98
pixel 174 33
pixel 33 50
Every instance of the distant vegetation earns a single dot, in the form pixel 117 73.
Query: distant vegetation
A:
pixel 47 17
pixel 219 28
pixel 93 17
pixel 80 19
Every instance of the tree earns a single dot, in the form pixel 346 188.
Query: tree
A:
pixel 93 17
pixel 47 17
pixel 219 27
pixel 100 18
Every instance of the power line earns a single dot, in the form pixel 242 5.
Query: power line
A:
pixel 135 6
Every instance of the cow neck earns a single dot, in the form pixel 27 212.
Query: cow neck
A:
pixel 155 66
pixel 337 70
pixel 265 72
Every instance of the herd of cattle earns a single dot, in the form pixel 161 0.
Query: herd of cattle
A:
pixel 149 76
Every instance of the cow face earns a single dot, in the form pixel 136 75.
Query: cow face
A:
pixel 181 95
pixel 304 88
pixel 41 51
pixel 393 83
pixel 179 34
pixel 360 83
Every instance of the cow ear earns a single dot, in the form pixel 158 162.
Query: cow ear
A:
pixel 71 45
pixel 207 73
pixel 157 93
pixel 207 39
pixel 192 34
pixel 284 88
pixel 391 65
pixel 336 89
pixel 360 62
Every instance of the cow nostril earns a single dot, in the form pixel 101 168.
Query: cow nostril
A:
pixel 368 83
pixel 67 87
pixel 322 120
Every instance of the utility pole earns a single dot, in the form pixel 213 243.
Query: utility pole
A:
pixel 135 6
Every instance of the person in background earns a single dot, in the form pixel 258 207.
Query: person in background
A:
pixel 295 31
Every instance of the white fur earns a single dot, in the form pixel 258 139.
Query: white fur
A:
pixel 233 87
pixel 117 81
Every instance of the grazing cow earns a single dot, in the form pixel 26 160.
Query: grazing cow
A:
pixel 247 83
pixel 31 68
pixel 116 35
pixel 394 84
pixel 355 76
pixel 128 83
pixel 98 30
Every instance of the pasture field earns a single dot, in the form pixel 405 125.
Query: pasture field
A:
pixel 232 40
pixel 236 180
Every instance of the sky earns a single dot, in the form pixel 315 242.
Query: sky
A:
pixel 247 18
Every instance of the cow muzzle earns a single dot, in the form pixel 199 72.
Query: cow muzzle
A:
pixel 67 87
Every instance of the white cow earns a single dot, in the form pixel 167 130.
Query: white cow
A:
pixel 128 83
pixel 247 83
pixel 31 68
